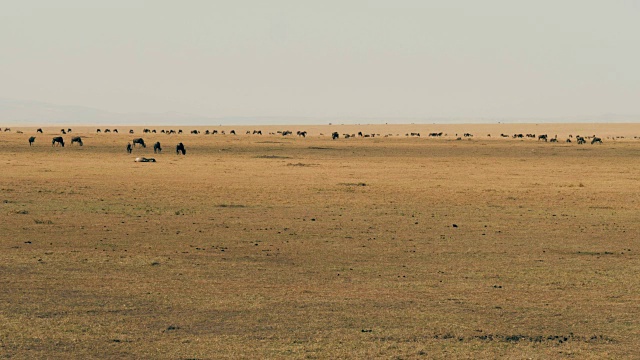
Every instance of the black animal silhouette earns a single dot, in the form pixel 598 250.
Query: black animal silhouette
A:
pixel 180 149
pixel 57 140
pixel 139 141
pixel 76 139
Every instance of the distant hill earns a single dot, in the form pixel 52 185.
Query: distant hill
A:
pixel 33 113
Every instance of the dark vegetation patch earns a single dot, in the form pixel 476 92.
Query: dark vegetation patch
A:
pixel 231 206
pixel 514 338
pixel 272 157
pixel 353 184
pixel 301 164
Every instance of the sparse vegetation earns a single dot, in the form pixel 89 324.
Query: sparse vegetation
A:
pixel 403 248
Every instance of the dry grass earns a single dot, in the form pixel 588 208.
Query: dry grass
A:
pixel 272 247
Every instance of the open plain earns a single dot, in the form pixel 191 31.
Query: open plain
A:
pixel 397 247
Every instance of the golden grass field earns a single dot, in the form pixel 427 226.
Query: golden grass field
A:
pixel 274 247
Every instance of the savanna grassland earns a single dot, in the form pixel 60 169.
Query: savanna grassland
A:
pixel 288 247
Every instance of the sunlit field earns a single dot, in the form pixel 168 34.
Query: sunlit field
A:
pixel 388 246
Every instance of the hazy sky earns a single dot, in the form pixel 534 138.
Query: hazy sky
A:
pixel 369 58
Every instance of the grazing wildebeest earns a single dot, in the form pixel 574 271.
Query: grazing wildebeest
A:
pixel 156 147
pixel 31 140
pixel 415 134
pixel 129 148
pixel 98 130
pixel 596 140
pixel 7 129
pixel 286 132
pixel 39 131
pixel 257 132
pixel 69 130
pixel 130 131
pixel 180 149
pixel 144 159
pixel 76 139
pixel 335 135
pixel 554 140
pixel 107 130
pixel 153 131
pixel 62 131
pixel 139 141
pixel 580 140
pixel 196 132
pixel 115 131
pixel 207 132
pixel 302 133
pixel 568 140
pixel 233 132
pixel 248 132
pixel 57 140
pixel 146 131
pixel 542 137
pixel 214 132
pixel 179 131
pixel 172 132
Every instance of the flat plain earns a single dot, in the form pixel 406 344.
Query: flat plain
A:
pixel 396 247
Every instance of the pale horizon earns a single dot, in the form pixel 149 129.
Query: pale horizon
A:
pixel 352 61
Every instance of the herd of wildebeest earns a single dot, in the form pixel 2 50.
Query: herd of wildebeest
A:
pixel 180 149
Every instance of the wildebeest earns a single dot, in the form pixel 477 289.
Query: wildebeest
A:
pixel 57 140
pixel 179 131
pixel 115 131
pixel 196 132
pixel 62 131
pixel 139 141
pixel 31 140
pixel 180 149
pixel 207 132
pixel 98 130
pixel 76 139
pixel 156 147
pixel 39 131
pixel 144 159
pixel 107 130
pixel 69 130
pixel 580 140
pixel 596 140
pixel 130 131
pixel 214 132
pixel 542 137
pixel 129 148
pixel 415 134
pixel 335 135
pixel 146 131
pixel 233 132
pixel 257 132
pixel 302 133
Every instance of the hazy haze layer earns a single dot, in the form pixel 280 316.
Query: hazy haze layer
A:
pixel 356 59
